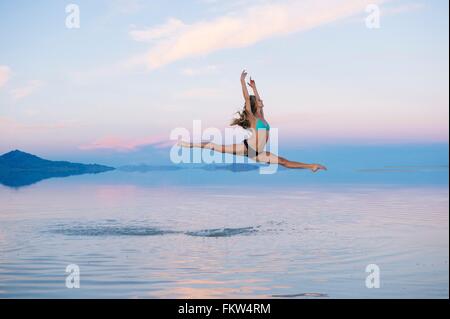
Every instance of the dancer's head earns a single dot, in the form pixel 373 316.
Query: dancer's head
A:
pixel 254 104
pixel 259 104
pixel 242 119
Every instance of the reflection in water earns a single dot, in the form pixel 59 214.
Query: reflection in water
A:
pixel 29 177
pixel 406 169
pixel 306 294
pixel 20 178
pixel 215 292
pixel 214 242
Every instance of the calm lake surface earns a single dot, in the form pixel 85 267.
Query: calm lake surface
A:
pixel 207 234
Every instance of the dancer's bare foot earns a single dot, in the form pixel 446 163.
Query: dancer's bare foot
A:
pixel 317 167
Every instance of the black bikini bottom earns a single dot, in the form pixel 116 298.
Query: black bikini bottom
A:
pixel 250 150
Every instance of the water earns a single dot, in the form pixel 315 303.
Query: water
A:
pixel 201 234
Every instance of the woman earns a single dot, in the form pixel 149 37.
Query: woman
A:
pixel 252 117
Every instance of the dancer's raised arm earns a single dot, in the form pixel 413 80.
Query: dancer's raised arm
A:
pixel 252 84
pixel 245 92
pixel 259 102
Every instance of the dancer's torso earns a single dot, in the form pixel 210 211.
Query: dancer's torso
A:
pixel 260 134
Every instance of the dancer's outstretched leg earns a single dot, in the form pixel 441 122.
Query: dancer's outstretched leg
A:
pixel 270 158
pixel 236 149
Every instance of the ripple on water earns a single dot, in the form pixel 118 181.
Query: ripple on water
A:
pixel 222 232
pixel 97 230
pixel 109 230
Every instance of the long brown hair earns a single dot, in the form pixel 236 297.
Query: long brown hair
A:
pixel 242 119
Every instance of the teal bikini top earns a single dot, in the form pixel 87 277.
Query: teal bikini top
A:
pixel 260 125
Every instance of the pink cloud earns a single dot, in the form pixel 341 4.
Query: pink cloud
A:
pixel 28 89
pixel 126 145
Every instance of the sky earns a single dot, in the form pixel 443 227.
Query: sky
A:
pixel 135 70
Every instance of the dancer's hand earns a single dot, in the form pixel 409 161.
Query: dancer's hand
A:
pixel 252 83
pixel 243 75
pixel 317 167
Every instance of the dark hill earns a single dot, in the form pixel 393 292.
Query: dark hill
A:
pixel 18 168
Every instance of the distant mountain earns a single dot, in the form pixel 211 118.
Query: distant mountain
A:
pixel 18 168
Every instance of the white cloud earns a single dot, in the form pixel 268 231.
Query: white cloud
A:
pixel 175 40
pixel 26 90
pixel 169 28
pixel 5 73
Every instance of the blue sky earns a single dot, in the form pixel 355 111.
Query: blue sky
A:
pixel 135 70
